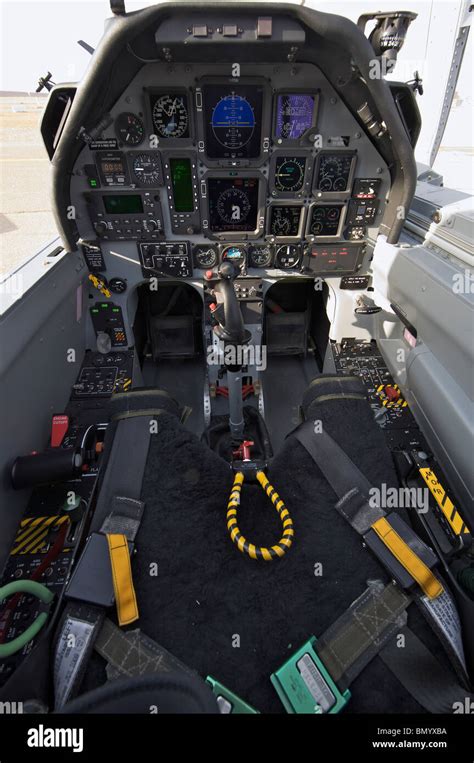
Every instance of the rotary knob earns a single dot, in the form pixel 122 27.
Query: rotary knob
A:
pixel 100 227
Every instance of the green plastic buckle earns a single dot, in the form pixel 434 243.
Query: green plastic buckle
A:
pixel 305 686
pixel 227 701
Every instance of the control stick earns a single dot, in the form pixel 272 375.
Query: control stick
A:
pixel 231 330
pixel 230 326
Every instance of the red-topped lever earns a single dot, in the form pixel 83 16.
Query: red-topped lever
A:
pixel 243 451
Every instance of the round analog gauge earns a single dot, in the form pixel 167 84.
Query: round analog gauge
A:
pixel 339 184
pixel 318 221
pixel 287 256
pixel 170 116
pixel 205 256
pixel 147 169
pixel 260 256
pixel 130 129
pixel 233 253
pixel 233 206
pixel 233 121
pixel 281 225
pixel 117 285
pixel 325 184
pixel 289 174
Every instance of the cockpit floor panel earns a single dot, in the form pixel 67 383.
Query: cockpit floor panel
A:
pixel 284 381
pixel 184 380
pixel 236 619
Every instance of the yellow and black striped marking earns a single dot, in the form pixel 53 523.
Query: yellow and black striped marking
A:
pixel 400 403
pixel 259 552
pixel 33 532
pixel 444 502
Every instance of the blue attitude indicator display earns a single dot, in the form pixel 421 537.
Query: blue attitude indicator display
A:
pixel 295 115
pixel 233 121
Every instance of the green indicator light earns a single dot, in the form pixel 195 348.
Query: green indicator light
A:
pixel 104 304
pixel 94 310
pixel 115 309
pixel 93 183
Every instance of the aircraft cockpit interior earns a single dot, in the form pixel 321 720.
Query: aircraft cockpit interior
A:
pixel 247 472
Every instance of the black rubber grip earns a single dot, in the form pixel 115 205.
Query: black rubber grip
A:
pixel 51 466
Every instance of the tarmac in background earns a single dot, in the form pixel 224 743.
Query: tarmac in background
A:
pixel 26 222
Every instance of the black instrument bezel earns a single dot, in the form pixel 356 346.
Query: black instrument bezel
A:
pixel 334 195
pixel 130 156
pixel 329 203
pixel 121 143
pixel 232 236
pixel 304 141
pixel 201 120
pixel 308 174
pixel 192 219
pixel 269 236
pixel 167 143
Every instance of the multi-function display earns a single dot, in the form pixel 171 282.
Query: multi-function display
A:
pixel 233 204
pixel 233 118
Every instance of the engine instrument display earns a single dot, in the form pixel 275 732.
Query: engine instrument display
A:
pixel 295 115
pixel 233 116
pixel 290 173
pixel 182 184
pixel 333 172
pixel 233 204
pixel 170 114
pixel 129 129
pixel 325 219
pixel 285 221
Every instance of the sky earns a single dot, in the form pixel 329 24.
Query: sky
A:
pixel 41 35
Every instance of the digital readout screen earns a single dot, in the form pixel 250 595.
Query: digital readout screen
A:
pixel 123 204
pixel 182 183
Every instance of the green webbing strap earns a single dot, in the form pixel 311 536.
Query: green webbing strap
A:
pixel 375 624
pixel 357 636
pixel 132 653
pixel 34 589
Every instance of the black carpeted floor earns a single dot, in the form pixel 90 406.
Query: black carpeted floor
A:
pixel 236 619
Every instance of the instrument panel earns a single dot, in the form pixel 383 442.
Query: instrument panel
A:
pixel 269 161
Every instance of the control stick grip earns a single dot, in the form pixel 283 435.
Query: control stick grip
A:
pixel 51 466
pixel 233 328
